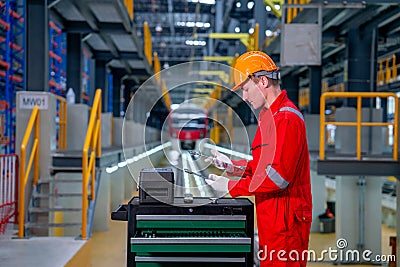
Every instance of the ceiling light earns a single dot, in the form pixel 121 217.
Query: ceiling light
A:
pixel 174 106
pixel 268 33
pixel 277 7
pixel 251 30
pixel 195 42
pixel 207 2
pixel 237 29
pixel 268 8
pixel 191 24
pixel 158 28
pixel 238 4
pixel 250 4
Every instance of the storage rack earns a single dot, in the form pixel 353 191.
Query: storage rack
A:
pixel 85 77
pixel 12 64
pixel 57 60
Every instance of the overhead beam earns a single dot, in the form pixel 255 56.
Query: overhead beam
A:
pixel 84 27
pixel 93 23
pixel 106 55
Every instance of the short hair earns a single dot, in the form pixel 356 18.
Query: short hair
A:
pixel 274 82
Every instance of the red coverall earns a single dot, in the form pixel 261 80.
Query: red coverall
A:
pixel 279 177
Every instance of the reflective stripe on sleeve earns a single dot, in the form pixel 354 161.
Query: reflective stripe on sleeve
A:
pixel 298 113
pixel 276 177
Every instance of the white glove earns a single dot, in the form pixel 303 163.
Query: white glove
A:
pixel 218 183
pixel 221 161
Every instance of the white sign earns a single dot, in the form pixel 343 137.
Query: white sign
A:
pixel 29 100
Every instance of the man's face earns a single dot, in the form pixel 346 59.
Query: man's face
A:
pixel 253 94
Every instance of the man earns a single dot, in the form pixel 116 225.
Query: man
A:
pixel 279 174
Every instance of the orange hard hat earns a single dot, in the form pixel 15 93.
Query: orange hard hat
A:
pixel 254 63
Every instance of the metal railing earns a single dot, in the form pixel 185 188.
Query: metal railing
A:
pixel 93 145
pixel 24 171
pixel 165 94
pixel 388 73
pixel 62 131
pixel 292 12
pixel 8 190
pixel 157 67
pixel 358 123
pixel 129 8
pixel 148 46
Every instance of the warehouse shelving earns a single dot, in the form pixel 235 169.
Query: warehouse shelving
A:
pixel 85 77
pixel 57 64
pixel 12 63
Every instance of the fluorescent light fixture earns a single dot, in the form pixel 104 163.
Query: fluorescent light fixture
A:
pixel 195 42
pixel 250 4
pixel 174 106
pixel 192 24
pixel 206 2
pixel 111 169
pixel 122 164
pixel 237 29
pixel 238 4
pixel 268 33
pixel 277 7
pixel 268 8
pixel 251 30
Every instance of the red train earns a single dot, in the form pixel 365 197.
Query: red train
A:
pixel 187 124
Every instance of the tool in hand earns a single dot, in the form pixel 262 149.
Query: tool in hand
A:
pixel 195 173
pixel 197 155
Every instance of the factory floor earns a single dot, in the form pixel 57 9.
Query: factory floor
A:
pixel 109 248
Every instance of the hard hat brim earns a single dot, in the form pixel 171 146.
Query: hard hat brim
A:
pixel 240 85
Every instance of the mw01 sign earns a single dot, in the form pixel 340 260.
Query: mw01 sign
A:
pixel 28 101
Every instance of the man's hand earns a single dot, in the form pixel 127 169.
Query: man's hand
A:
pixel 218 183
pixel 221 161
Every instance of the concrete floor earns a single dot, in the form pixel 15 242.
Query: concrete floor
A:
pixel 109 249
pixel 38 251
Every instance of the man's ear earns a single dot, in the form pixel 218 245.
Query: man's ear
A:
pixel 264 81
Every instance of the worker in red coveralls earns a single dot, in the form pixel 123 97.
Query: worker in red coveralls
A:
pixel 279 173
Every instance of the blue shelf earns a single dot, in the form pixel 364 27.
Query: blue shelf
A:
pixel 12 55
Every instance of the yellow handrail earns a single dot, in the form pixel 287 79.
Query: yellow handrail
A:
pixel 34 120
pixel 129 8
pixel 358 123
pixel 165 94
pixel 92 142
pixel 253 39
pixel 389 73
pixel 157 67
pixel 148 47
pixel 293 12
pixel 62 134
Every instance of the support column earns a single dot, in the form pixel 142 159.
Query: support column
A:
pixel 37 45
pixel 129 85
pixel 260 16
pixel 74 64
pixel 117 83
pixel 219 15
pixel 290 83
pixel 315 74
pixel 358 53
pixel 100 82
